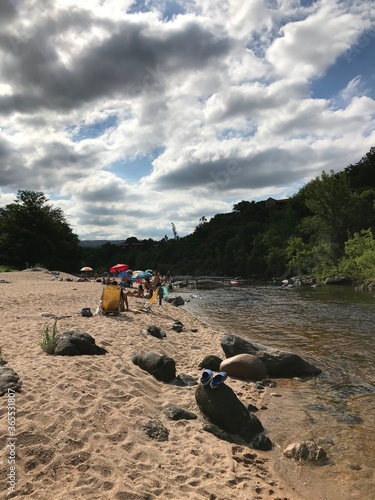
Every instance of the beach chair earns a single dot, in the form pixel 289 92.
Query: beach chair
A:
pixel 110 301
pixel 146 307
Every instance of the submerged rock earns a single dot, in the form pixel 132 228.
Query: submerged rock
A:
pixel 307 451
pixel 278 363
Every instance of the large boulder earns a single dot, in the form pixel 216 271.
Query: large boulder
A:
pixel 175 301
pixel 245 367
pixel 338 280
pixel 222 408
pixel 76 343
pixel 161 367
pixel 278 363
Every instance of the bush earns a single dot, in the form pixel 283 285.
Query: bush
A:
pixel 48 340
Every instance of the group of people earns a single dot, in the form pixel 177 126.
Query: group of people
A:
pixel 145 288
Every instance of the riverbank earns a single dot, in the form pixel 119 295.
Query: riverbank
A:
pixel 80 421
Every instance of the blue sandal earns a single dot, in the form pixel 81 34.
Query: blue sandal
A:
pixel 218 379
pixel 206 376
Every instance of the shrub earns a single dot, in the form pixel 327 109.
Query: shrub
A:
pixel 48 340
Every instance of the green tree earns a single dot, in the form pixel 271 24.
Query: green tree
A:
pixel 333 206
pixel 34 232
pixel 359 259
pixel 362 174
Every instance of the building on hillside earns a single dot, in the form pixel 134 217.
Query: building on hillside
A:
pixel 272 203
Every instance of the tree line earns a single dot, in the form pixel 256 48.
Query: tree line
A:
pixel 327 228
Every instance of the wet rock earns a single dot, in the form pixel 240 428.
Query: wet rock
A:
pixel 268 382
pixel 262 442
pixel 307 451
pixel 338 280
pixel 175 301
pixel 278 363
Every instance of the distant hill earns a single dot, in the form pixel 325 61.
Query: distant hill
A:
pixel 98 243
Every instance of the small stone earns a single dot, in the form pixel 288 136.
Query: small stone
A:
pixel 262 442
pixel 268 382
pixel 354 467
pixel 259 387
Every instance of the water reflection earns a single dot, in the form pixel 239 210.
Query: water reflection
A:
pixel 332 327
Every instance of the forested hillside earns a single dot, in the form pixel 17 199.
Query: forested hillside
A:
pixel 327 228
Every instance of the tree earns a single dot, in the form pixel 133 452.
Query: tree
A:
pixel 33 232
pixel 175 235
pixel 359 258
pixel 362 174
pixel 331 202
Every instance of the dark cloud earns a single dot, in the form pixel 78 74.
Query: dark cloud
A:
pixel 8 12
pixel 100 220
pixel 11 172
pixel 131 60
pixel 111 193
pixel 274 167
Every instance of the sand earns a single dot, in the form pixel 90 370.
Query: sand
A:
pixel 80 420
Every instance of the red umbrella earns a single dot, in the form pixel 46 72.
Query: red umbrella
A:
pixel 118 268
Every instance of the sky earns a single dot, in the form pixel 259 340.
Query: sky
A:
pixel 131 116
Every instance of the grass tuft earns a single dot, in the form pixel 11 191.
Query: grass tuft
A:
pixel 49 338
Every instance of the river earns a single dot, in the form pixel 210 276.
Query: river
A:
pixel 332 327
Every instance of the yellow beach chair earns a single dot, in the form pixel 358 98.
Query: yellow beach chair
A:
pixel 110 301
pixel 146 307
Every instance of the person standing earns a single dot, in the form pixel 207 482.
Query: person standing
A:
pixel 160 294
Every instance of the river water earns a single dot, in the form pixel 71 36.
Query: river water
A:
pixel 332 327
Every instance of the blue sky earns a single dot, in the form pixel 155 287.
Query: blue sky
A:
pixel 359 60
pixel 132 115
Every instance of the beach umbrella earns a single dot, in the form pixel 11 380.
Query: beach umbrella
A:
pixel 86 269
pixel 141 275
pixel 118 267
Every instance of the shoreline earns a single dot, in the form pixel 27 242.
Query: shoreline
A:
pixel 79 420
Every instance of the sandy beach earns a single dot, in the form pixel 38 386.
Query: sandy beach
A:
pixel 80 420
